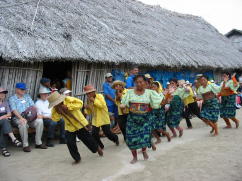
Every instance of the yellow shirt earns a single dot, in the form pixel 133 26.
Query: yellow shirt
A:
pixel 190 98
pixel 126 110
pixel 99 111
pixel 74 105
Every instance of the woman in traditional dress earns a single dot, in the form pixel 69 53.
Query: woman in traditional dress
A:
pixel 138 130
pixel 210 108
pixel 174 114
pixel 159 113
pixel 228 104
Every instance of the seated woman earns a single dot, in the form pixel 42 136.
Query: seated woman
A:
pixel 5 127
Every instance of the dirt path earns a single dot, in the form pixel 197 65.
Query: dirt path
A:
pixel 194 157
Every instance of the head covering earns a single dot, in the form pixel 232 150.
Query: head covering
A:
pixel 88 89
pixel 44 90
pixel 55 98
pixel 181 82
pixel 21 85
pixel 199 76
pixel 160 89
pixel 240 79
pixel 44 80
pixel 118 82
pixel 212 81
pixel 187 82
pixel 168 83
pixel 148 76
pixel 108 75
pixel 2 90
pixel 65 91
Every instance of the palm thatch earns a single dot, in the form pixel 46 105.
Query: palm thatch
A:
pixel 114 31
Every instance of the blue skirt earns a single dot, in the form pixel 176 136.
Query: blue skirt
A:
pixel 174 114
pixel 210 110
pixel 138 131
pixel 227 106
pixel 159 119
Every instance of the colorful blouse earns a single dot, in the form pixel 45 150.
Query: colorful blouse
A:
pixel 209 88
pixel 148 97
pixel 181 92
pixel 230 84
pixel 189 99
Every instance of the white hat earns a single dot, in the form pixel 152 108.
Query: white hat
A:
pixel 212 81
pixel 168 83
pixel 187 82
pixel 108 75
pixel 240 79
pixel 44 90
pixel 66 92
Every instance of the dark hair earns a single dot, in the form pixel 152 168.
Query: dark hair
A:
pixel 228 74
pixel 133 67
pixel 156 83
pixel 204 76
pixel 139 76
pixel 174 80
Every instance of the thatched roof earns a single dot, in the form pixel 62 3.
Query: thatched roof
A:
pixel 110 31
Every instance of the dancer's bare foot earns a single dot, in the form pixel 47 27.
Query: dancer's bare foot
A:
pixel 158 141
pixel 100 152
pixel 134 161
pixel 174 136
pixel 168 137
pixel 215 134
pixel 180 132
pixel 76 162
pixel 153 147
pixel 145 155
pixel 227 127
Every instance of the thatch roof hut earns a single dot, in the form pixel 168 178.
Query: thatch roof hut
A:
pixel 105 31
pixel 235 37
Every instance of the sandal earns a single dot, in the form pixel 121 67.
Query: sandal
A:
pixel 17 143
pixel 5 152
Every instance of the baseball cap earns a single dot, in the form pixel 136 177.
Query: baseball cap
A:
pixel 21 85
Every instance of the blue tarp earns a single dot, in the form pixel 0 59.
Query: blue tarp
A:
pixel 164 76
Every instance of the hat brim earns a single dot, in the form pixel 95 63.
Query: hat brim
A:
pixel 4 92
pixel 58 101
pixel 118 83
pixel 93 90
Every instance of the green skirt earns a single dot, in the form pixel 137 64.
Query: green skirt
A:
pixel 210 110
pixel 138 131
pixel 174 114
pixel 158 119
pixel 227 106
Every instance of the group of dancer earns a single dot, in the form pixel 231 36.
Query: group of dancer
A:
pixel 144 111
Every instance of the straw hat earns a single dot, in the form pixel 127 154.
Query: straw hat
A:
pixel 55 98
pixel 118 82
pixel 2 90
pixel 148 76
pixel 88 89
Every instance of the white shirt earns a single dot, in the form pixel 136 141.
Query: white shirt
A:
pixel 42 108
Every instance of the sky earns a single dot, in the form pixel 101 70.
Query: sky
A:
pixel 224 15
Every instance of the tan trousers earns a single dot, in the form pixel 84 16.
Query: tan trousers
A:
pixel 23 130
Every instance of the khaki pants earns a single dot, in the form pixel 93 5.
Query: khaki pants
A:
pixel 23 130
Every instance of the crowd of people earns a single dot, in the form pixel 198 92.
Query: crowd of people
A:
pixel 140 108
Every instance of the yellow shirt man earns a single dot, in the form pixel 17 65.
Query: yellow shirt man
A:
pixel 99 111
pixel 126 110
pixel 190 99
pixel 74 105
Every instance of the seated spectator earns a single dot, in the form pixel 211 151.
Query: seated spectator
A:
pixel 5 127
pixel 44 113
pixel 19 103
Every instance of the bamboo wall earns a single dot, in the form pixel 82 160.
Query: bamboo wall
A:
pixel 11 73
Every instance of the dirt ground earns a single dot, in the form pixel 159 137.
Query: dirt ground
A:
pixel 195 157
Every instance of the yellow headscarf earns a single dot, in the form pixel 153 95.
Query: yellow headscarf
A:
pixel 160 89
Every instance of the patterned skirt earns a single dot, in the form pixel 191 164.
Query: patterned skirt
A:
pixel 158 119
pixel 138 131
pixel 174 114
pixel 210 110
pixel 227 106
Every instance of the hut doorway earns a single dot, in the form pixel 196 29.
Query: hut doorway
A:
pixel 58 73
